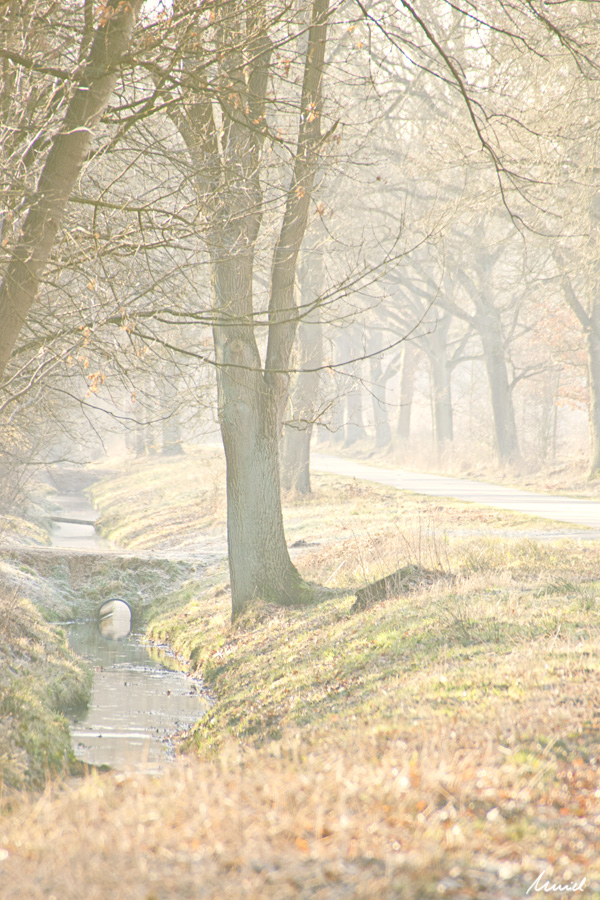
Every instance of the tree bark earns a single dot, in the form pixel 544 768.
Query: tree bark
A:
pixel 593 345
pixel 251 395
pixel 408 368
pixel 487 321
pixel 336 425
pixel 505 426
pixel 63 167
pixel 170 427
pixel 304 396
pixel 354 429
pixel 442 403
pixel 377 388
pixel 295 458
pixel 590 322
pixel 342 350
pixel 441 379
pixel 259 563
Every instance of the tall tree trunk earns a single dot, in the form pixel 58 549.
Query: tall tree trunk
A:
pixel 442 402
pixel 295 458
pixel 377 388
pixel 304 398
pixel 259 562
pixel 593 346
pixel 252 395
pixel 489 325
pixel 62 169
pixel 336 427
pixel 408 368
pixel 505 426
pixel 343 381
pixel 441 380
pixel 170 428
pixel 354 429
pixel 304 395
pixel 590 322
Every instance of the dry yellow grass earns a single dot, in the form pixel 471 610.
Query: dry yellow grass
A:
pixel 40 680
pixel 414 812
pixel 443 743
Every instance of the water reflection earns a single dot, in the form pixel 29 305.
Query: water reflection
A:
pixel 115 619
pixel 137 704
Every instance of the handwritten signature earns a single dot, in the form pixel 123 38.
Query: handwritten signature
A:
pixel 546 886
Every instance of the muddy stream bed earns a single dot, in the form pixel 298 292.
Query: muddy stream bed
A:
pixel 141 695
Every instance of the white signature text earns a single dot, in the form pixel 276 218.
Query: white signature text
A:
pixel 547 886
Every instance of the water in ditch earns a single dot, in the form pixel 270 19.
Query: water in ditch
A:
pixel 141 698
pixel 138 705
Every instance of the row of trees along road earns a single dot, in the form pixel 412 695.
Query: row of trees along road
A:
pixel 170 171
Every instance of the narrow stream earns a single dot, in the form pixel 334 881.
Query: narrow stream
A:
pixel 140 700
pixel 75 534
pixel 137 704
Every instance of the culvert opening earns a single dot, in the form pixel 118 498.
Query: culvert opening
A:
pixel 138 704
pixel 114 619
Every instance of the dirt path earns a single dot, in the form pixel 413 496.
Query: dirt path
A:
pixel 547 506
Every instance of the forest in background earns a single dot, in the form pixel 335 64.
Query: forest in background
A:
pixel 374 223
pixel 378 220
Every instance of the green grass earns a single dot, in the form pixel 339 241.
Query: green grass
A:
pixel 441 741
pixel 41 682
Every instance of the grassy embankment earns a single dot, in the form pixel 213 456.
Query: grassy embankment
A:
pixel 443 742
pixel 41 681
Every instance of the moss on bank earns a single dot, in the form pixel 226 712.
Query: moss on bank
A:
pixel 40 682
pixel 442 742
pixel 491 631
pixel 495 642
pixel 474 699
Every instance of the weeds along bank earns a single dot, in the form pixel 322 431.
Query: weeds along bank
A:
pixel 441 742
pixel 41 681
pixel 490 625
pixel 419 748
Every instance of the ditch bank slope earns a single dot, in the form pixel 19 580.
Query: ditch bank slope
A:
pixel 442 742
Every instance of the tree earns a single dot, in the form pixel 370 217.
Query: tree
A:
pixel 225 142
pixel 303 404
pixel 66 156
pixel 240 87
